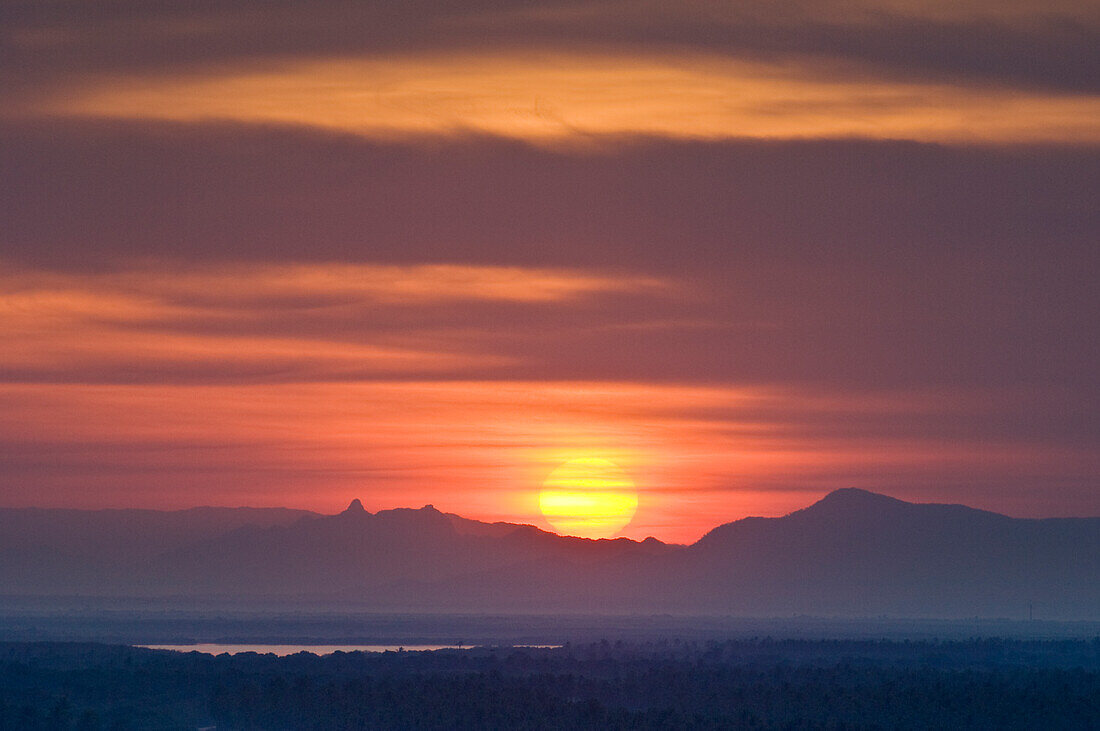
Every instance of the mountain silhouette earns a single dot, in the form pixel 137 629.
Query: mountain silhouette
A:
pixel 355 508
pixel 852 553
pixel 859 552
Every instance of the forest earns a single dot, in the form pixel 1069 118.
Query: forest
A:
pixel 751 684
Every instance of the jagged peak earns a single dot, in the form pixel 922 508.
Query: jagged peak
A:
pixel 426 515
pixel 355 508
pixel 428 509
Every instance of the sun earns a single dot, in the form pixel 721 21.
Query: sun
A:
pixel 588 497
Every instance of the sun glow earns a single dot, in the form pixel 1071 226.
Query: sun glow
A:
pixel 589 497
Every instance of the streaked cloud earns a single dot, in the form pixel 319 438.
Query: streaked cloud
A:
pixel 975 42
pixel 164 320
pixel 553 96
pixel 230 283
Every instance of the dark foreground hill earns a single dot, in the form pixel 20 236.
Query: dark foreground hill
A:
pixel 760 684
pixel 854 553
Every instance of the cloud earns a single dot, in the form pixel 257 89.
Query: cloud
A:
pixel 174 322
pixel 133 293
pixel 551 97
pixel 86 193
pixel 1023 44
pixel 890 265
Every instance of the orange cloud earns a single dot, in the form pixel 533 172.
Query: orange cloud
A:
pixel 131 291
pixel 142 318
pixel 554 96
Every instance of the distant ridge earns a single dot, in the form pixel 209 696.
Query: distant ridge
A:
pixel 851 553
pixel 854 498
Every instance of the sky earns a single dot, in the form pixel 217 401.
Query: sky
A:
pixel 293 253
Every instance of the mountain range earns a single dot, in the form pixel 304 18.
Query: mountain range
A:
pixel 853 553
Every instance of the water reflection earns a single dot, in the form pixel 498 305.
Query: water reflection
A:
pixel 284 650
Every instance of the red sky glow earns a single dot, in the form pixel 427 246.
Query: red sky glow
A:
pixel 293 256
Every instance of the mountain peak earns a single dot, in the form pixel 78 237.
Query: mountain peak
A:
pixel 851 502
pixel 355 508
pixel 858 496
